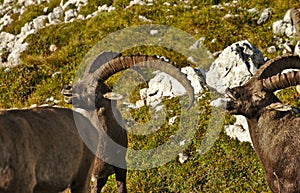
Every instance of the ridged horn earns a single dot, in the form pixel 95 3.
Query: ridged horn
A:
pixel 281 81
pixel 276 65
pixel 270 72
pixel 101 59
pixel 124 62
pixel 295 15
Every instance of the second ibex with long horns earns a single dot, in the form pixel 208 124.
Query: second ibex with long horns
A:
pixel 273 126
pixel 274 131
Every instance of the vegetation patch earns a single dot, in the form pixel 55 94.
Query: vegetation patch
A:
pixel 229 165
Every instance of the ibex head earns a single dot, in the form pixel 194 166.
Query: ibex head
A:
pixel 250 99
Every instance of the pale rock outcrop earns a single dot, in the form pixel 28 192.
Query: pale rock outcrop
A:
pixel 165 86
pixel 234 66
pixel 239 130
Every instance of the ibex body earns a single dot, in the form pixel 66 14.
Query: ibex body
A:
pixel 42 151
pixel 273 127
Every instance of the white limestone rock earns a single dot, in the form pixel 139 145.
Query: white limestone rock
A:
pixel 239 130
pixel 197 78
pixel 271 49
pixel 163 85
pixel 265 16
pixel 14 56
pixel 290 30
pixel 279 27
pixel 8 1
pixel 70 14
pixel 135 2
pixel 287 17
pixel 219 102
pixel 234 66
pixel 77 3
pixel 56 15
pixel 5 38
pixel 39 22
pixel 145 19
pixel 5 20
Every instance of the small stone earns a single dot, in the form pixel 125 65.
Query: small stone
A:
pixel 52 48
pixel 290 31
pixel 143 18
pixel 253 10
pixel 271 49
pixel 287 47
pixel 70 14
pixel 7 70
pixel 143 93
pixel 153 32
pixel 239 130
pixel 55 74
pixel 265 16
pixel 140 103
pixel 172 120
pixel 219 102
pixel 182 158
pixel 287 17
pixel 45 9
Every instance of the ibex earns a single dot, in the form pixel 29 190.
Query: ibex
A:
pixel 105 109
pixel 274 129
pixel 42 149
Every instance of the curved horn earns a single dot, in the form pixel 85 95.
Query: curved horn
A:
pixel 281 81
pixel 270 72
pixel 295 15
pixel 101 59
pixel 125 62
pixel 276 65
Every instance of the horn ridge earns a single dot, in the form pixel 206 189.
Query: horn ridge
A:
pixel 281 81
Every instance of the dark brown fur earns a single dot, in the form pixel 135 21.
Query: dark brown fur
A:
pixel 43 152
pixel 111 121
pixel 275 134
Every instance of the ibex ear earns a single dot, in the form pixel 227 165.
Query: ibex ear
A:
pixel 280 107
pixel 113 96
